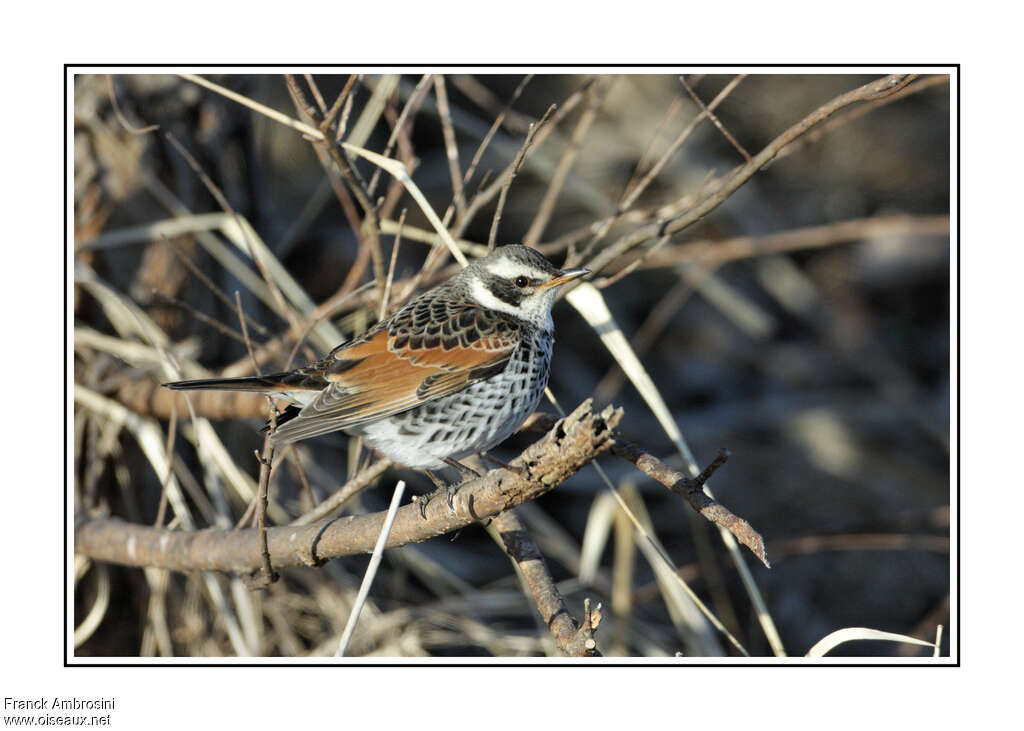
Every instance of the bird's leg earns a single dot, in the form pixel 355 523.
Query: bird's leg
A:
pixel 498 463
pixel 467 473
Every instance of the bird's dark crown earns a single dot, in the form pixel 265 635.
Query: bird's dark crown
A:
pixel 515 254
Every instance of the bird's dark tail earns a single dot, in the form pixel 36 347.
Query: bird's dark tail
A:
pixel 273 382
pixel 281 385
pixel 298 380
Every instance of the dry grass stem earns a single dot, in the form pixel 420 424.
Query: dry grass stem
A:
pixel 371 570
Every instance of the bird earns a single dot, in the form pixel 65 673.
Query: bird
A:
pixel 452 373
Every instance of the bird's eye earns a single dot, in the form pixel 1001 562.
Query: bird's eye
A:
pixel 521 282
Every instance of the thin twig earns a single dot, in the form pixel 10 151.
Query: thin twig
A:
pixel 732 181
pixel 120 115
pixel 341 99
pixel 450 144
pixel 267 574
pixel 485 143
pixel 692 489
pixel 714 118
pixel 210 284
pixel 284 309
pixel 597 95
pixel 315 90
pixel 172 430
pixel 369 230
pixel 346 112
pixel 412 105
pixel 391 267
pixel 516 163
pixel 633 190
pixel 486 195
pixel 630 198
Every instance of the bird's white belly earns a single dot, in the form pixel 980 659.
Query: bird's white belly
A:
pixel 471 421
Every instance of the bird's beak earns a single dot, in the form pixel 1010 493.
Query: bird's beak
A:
pixel 566 275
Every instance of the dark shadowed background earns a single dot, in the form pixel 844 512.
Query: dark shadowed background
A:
pixel 803 324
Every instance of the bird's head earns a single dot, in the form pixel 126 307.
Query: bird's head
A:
pixel 517 280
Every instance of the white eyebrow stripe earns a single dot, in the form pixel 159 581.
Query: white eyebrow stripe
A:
pixel 511 269
pixel 483 297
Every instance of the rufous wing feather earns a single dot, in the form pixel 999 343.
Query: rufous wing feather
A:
pixel 389 371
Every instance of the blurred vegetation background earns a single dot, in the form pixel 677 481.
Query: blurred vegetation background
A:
pixel 803 324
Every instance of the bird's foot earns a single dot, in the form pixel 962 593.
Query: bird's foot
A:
pixel 449 497
pixel 424 500
pixel 467 473
pixel 445 488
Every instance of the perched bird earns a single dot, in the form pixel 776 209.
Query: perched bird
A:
pixel 452 373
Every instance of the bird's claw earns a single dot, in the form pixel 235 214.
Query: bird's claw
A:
pixel 449 490
pixel 449 497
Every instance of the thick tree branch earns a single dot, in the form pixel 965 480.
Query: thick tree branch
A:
pixel 571 444
pixel 572 638
pixel 692 488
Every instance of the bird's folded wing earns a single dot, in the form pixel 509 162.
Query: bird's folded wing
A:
pixel 392 370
